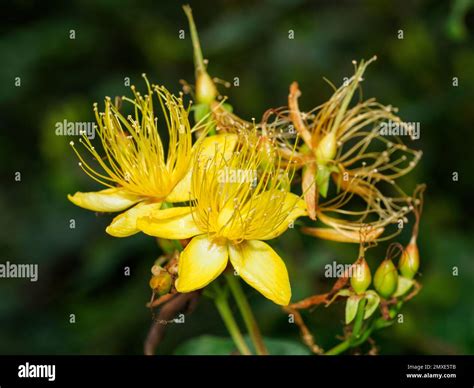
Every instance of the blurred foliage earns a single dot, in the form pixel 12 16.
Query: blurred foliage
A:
pixel 82 269
pixel 223 346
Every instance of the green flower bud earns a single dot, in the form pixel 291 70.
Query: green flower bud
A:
pixel 327 148
pixel 206 91
pixel 386 279
pixel 361 276
pixel 161 283
pixel 410 260
pixel 168 246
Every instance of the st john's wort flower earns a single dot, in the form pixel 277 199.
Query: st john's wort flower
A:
pixel 230 219
pixel 137 171
pixel 343 143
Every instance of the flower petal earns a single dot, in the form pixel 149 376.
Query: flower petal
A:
pixel 260 266
pixel 200 263
pixel 346 236
pixel 182 191
pixel 172 223
pixel 222 144
pixel 108 200
pixel 207 148
pixel 125 224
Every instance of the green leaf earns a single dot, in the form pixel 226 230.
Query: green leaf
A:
pixel 404 284
pixel 373 300
pixel 344 292
pixel 351 307
pixel 206 345
pixel 212 345
pixel 281 347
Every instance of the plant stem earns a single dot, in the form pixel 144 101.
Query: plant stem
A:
pixel 359 319
pixel 198 58
pixel 339 348
pixel 247 313
pixel 226 313
pixel 360 338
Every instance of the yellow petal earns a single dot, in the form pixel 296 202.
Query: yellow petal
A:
pixel 222 144
pixel 200 263
pixel 125 224
pixel 207 147
pixel 260 266
pixel 346 236
pixel 292 207
pixel 172 223
pixel 108 200
pixel 182 191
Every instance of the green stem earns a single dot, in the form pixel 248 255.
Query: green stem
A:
pixel 198 58
pixel 226 313
pixel 359 319
pixel 339 348
pixel 360 338
pixel 247 313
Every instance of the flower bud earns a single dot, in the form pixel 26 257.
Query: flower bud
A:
pixel 410 260
pixel 386 279
pixel 168 246
pixel 361 277
pixel 327 148
pixel 206 91
pixel 161 283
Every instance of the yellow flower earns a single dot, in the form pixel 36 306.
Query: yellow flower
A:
pixel 134 168
pixel 239 200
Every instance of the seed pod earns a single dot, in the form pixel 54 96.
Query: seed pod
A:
pixel 386 279
pixel 410 260
pixel 361 277
pixel 327 148
pixel 206 91
pixel 161 283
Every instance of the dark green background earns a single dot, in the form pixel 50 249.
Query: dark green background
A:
pixel 82 269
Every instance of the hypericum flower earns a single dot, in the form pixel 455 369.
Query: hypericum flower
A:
pixel 347 143
pixel 240 200
pixel 134 166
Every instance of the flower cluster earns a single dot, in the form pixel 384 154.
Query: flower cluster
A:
pixel 214 188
